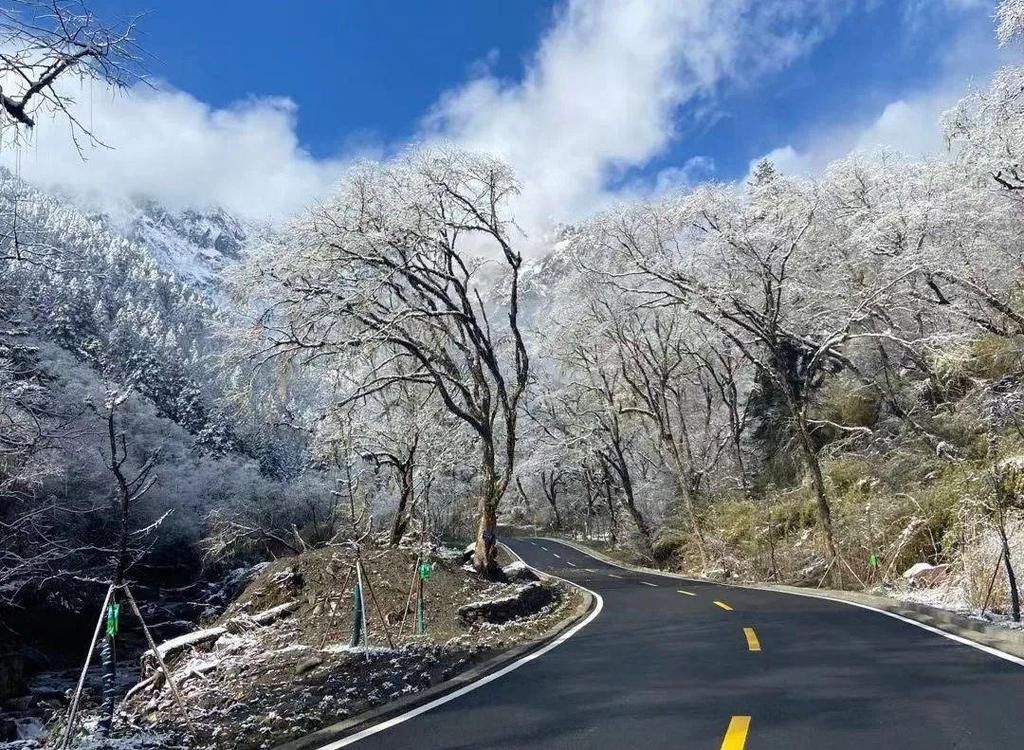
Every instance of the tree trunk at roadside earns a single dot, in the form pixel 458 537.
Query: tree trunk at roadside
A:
pixel 798 412
pixel 485 553
pixel 818 482
pixel 1011 576
pixel 405 504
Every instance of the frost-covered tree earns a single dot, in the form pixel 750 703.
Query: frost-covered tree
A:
pixel 48 41
pixel 400 263
pixel 768 269
pixel 1010 20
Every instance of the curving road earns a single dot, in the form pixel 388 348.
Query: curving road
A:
pixel 677 665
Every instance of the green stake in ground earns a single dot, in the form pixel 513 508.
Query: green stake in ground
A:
pixel 873 560
pixel 421 616
pixel 357 616
pixel 113 619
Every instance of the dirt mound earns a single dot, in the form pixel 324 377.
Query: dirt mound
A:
pixel 278 664
pixel 322 582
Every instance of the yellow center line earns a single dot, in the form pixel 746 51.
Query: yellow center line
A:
pixel 736 734
pixel 648 583
pixel 685 593
pixel 723 605
pixel 752 643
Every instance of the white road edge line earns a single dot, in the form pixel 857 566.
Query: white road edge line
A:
pixel 396 720
pixel 937 631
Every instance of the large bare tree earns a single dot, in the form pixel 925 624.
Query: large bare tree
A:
pixel 413 260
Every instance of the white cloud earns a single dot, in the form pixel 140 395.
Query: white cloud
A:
pixel 166 144
pixel 602 94
pixel 909 124
pixel 604 89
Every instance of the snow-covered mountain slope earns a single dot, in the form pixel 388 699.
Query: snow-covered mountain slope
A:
pixel 195 246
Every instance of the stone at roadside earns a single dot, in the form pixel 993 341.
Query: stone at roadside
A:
pixel 519 571
pixel 925 574
pixel 528 600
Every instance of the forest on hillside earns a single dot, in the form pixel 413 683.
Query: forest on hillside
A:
pixel 814 380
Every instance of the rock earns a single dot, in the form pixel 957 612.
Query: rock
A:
pixel 519 571
pixel 526 601
pixel 436 674
pixel 924 574
pixel 307 664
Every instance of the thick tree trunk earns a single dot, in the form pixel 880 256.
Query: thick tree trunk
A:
pixel 108 651
pixel 588 520
pixel 405 503
pixel 485 554
pixel 625 479
pixel 687 492
pixel 638 518
pixel 691 511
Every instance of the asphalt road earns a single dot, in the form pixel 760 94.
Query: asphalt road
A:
pixel 658 669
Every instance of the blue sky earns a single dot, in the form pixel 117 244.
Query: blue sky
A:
pixel 260 104
pixel 358 70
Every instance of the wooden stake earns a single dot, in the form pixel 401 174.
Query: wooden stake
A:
pixel 156 652
pixel 380 613
pixel 73 709
pixel 862 584
pixel 825 574
pixel 408 599
pixel 333 615
pixel 992 583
